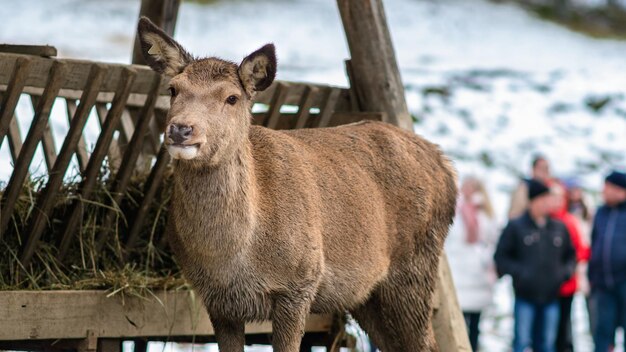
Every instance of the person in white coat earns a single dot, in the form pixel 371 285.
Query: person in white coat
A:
pixel 470 246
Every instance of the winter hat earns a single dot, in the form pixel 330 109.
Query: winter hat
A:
pixel 617 178
pixel 536 188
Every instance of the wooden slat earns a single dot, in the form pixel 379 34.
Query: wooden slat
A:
pixel 304 107
pixel 163 101
pixel 154 142
pixel 141 345
pixel 12 94
pixel 43 345
pixel 127 128
pixel 47 140
pixel 110 345
pixel 15 139
pixel 39 315
pixel 111 121
pixel 160 117
pixel 78 71
pixel 354 96
pixel 115 154
pixel 135 99
pixel 40 120
pixel 46 200
pixel 128 162
pixel 101 111
pixel 295 93
pixel 328 108
pixel 152 185
pixel 278 99
pixel 147 151
pixel 164 242
pixel 81 148
pixel 37 50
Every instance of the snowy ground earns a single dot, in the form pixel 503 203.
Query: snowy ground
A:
pixel 490 83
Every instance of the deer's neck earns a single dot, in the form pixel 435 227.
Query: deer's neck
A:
pixel 215 207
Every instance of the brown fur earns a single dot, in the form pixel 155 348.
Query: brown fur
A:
pixel 274 224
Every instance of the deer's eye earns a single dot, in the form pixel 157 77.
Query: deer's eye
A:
pixel 173 91
pixel 232 100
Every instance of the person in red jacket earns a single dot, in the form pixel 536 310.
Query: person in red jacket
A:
pixel 568 289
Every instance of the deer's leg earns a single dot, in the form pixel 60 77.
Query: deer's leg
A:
pixel 397 315
pixel 230 335
pixel 288 318
pixel 368 317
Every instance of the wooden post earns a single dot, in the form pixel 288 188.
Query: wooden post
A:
pixel 375 73
pixel 376 81
pixel 448 322
pixel 163 13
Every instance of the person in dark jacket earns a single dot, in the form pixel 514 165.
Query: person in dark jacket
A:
pixel 536 251
pixel 607 266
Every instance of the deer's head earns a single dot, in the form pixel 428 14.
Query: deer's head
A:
pixel 209 114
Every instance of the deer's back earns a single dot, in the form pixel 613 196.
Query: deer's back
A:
pixel 407 171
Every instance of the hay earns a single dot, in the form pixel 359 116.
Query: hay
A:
pixel 147 266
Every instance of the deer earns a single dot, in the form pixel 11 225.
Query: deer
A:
pixel 275 225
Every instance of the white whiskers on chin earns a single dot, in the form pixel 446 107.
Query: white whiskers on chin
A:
pixel 187 152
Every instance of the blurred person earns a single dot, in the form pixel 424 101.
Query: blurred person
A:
pixel 607 266
pixel 579 205
pixel 564 341
pixel 536 251
pixel 470 246
pixel 519 198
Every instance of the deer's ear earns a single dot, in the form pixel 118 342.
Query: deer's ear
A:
pixel 258 70
pixel 162 53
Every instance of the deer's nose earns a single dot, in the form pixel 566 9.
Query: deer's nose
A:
pixel 180 133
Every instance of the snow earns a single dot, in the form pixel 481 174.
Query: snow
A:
pixel 490 83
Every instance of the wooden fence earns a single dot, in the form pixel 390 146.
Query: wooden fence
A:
pixel 129 104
